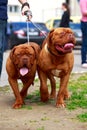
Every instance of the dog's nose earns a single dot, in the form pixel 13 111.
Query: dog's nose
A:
pixel 25 60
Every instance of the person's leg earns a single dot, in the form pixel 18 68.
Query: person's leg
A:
pixel 84 50
pixel 2 41
pixel 84 42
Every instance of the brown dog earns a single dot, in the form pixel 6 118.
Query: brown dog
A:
pixel 56 59
pixel 22 64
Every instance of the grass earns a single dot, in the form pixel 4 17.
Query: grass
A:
pixel 44 118
pixel 5 89
pixel 33 121
pixel 36 80
pixel 27 107
pixel 42 128
pixel 82 117
pixel 34 97
pixel 78 88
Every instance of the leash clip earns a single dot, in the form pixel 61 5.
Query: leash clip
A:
pixel 28 14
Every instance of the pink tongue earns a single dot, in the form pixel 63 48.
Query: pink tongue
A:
pixel 68 46
pixel 23 71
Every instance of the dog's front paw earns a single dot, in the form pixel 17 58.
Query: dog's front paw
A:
pixel 18 104
pixel 60 104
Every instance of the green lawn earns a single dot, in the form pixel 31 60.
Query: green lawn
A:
pixel 78 88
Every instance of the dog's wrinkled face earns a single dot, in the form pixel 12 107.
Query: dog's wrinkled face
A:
pixel 61 41
pixel 23 57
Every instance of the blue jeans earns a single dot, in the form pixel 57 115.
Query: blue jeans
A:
pixel 3 27
pixel 84 42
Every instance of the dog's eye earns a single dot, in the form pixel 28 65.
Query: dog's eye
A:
pixel 62 34
pixel 29 55
pixel 18 55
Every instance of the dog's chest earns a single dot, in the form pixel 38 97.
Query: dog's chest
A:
pixel 55 72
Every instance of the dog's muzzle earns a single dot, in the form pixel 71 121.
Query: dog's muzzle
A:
pixel 65 48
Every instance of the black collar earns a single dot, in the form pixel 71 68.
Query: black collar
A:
pixel 50 51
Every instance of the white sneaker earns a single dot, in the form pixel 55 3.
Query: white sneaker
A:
pixel 84 65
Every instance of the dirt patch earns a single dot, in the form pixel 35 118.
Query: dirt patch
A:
pixel 36 116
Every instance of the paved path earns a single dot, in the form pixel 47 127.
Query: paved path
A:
pixel 77 67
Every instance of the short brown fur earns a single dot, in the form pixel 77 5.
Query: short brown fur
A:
pixel 19 56
pixel 54 63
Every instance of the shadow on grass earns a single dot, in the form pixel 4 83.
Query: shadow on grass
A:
pixel 35 98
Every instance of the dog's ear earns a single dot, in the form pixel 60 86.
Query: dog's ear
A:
pixel 12 53
pixel 50 36
pixel 36 48
pixel 52 31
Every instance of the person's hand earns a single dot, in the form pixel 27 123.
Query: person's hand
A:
pixel 26 11
pixel 28 14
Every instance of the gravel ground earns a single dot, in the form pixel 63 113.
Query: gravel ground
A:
pixel 36 116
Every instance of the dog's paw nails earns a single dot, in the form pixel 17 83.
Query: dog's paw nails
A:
pixel 17 105
pixel 60 105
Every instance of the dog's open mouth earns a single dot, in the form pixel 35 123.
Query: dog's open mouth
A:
pixel 24 71
pixel 65 48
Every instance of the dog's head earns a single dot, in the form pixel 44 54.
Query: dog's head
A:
pixel 23 57
pixel 61 40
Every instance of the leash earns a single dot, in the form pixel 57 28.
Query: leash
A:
pixel 29 13
pixel 38 28
pixel 27 31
